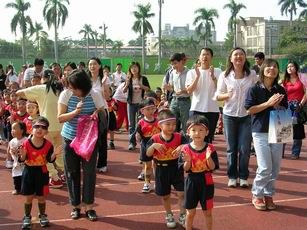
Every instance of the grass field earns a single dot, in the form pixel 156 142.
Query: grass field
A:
pixel 155 81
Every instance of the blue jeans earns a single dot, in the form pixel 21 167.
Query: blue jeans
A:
pixel 238 137
pixel 181 108
pixel 268 161
pixel 133 111
pixel 296 147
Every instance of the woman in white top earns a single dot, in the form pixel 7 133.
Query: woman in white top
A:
pixel 201 83
pixel 232 88
pixel 11 76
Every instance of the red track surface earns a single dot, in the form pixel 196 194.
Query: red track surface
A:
pixel 121 205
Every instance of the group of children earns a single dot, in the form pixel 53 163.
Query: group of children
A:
pixel 169 154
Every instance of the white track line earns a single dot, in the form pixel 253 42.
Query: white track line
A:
pixel 159 212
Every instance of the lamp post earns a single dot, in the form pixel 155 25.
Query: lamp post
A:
pixel 160 34
pixel 104 39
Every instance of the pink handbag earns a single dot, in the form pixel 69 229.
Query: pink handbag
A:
pixel 87 134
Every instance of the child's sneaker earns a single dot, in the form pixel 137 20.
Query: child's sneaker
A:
pixel 43 220
pixel 9 164
pixel 55 183
pixel 26 222
pixel 15 192
pixel 111 145
pixel 181 219
pixel 103 169
pixel 170 221
pixel 146 188
pixel 141 177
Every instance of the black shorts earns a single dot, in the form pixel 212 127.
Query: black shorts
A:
pixel 35 180
pixel 166 176
pixel 143 156
pixel 199 187
pixel 112 121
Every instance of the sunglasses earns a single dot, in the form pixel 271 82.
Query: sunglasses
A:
pixel 40 126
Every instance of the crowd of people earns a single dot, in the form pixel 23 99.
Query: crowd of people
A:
pixel 174 125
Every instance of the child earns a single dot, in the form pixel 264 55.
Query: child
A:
pixel 112 107
pixel 199 159
pixel 21 112
pixel 36 151
pixel 165 148
pixel 36 79
pixel 19 136
pixel 146 128
pixel 32 110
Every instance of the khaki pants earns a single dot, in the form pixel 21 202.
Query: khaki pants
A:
pixel 56 139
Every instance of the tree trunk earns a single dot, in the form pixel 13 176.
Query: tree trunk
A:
pixel 143 50
pixel 235 34
pixel 160 25
pixel 56 55
pixel 88 47
pixel 23 47
pixel 95 45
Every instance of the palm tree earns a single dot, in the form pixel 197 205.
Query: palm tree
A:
pixel 55 12
pixel 232 23
pixel 95 36
pixel 87 33
pixel 117 45
pixel 205 18
pixel 39 35
pixel 291 7
pixel 303 14
pixel 24 22
pixel 142 25
pixel 160 2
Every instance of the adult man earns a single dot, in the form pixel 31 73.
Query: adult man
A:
pixel 118 76
pixel 2 78
pixel 259 58
pixel 37 69
pixel 201 83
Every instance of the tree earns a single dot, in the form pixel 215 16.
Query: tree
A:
pixel 87 34
pixel 160 2
pixel 39 34
pixel 95 36
pixel 205 21
pixel 291 7
pixel 55 13
pixel 117 45
pixel 232 22
pixel 142 25
pixel 21 20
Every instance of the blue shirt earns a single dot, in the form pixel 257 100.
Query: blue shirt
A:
pixel 257 95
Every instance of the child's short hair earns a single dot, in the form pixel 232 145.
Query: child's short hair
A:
pixel 197 119
pixel 165 114
pixel 147 102
pixel 150 94
pixel 22 126
pixel 158 89
pixel 6 91
pixel 36 76
pixel 21 99
pixel 41 121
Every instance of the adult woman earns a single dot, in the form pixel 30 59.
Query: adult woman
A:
pixel 296 98
pixel 79 99
pixel 47 96
pixel 11 76
pixel 232 87
pixel 262 98
pixel 136 85
pixel 67 69
pixel 100 84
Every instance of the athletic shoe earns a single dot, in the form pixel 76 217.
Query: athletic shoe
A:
pixel 103 169
pixel 141 177
pixel 26 222
pixel 259 203
pixel 15 192
pixel 232 183
pixel 131 147
pixel 91 215
pixel 43 220
pixel 75 214
pixel 181 219
pixel 111 145
pixel 170 221
pixel 269 203
pixel 244 183
pixel 146 188
pixel 63 178
pixel 9 164
pixel 55 183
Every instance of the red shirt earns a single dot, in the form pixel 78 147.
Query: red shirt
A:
pixel 295 91
pixel 29 123
pixel 15 116
pixel 148 128
pixel 112 105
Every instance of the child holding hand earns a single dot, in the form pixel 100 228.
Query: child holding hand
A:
pixel 32 110
pixel 198 159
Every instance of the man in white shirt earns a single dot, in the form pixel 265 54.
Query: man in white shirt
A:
pixel 201 83
pixel 118 75
pixel 37 69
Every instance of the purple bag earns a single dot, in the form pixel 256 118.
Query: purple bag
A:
pixel 87 134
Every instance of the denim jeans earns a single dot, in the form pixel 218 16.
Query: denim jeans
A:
pixel 296 147
pixel 238 137
pixel 72 164
pixel 181 109
pixel 268 161
pixel 133 111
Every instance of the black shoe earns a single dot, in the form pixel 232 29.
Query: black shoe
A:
pixel 43 220
pixel 91 215
pixel 111 145
pixel 26 222
pixel 75 214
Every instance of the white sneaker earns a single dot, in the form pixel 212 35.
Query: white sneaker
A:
pixel 8 164
pixel 244 183
pixel 232 183
pixel 170 221
pixel 181 219
pixel 146 188
pixel 103 169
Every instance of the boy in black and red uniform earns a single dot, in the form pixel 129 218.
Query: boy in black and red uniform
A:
pixel 35 152
pixel 112 108
pixel 146 128
pixel 198 159
pixel 165 148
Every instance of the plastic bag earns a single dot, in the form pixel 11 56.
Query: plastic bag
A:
pixel 280 126
pixel 87 134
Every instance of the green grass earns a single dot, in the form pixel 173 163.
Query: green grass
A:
pixel 155 80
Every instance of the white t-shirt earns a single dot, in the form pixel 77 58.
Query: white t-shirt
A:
pixel 136 91
pixel 118 78
pixel 97 86
pixel 13 78
pixel 119 94
pixel 17 166
pixel 203 95
pixel 29 72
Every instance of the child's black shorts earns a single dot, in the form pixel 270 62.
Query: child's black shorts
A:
pixel 112 121
pixel 143 156
pixel 35 181
pixel 167 174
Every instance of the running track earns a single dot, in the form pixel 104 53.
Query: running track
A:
pixel 121 205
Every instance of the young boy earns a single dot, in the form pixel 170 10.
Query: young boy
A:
pixel 199 159
pixel 146 128
pixel 112 108
pixel 165 148
pixel 36 151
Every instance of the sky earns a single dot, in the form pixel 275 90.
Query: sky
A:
pixel 117 16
